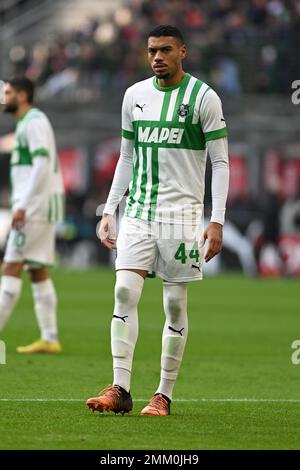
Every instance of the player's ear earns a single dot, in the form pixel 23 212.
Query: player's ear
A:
pixel 182 51
pixel 22 96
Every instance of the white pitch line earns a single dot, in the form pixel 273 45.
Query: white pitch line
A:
pixel 178 400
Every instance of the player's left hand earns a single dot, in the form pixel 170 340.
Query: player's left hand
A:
pixel 18 220
pixel 214 235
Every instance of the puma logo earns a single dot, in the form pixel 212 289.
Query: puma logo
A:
pixel 9 294
pixel 196 267
pixel 141 107
pixel 176 331
pixel 121 318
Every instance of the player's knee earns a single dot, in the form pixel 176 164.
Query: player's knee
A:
pixel 126 297
pixel 174 307
pixel 128 289
pixel 122 293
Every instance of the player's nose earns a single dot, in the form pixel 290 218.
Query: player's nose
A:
pixel 158 57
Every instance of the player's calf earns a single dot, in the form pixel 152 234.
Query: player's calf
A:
pixel 10 290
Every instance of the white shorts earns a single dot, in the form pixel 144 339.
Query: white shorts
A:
pixel 34 244
pixel 170 251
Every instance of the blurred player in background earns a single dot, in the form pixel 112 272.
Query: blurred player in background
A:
pixel 37 204
pixel 169 122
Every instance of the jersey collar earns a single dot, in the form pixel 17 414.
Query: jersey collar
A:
pixel 21 118
pixel 170 88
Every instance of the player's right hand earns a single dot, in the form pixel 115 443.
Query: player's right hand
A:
pixel 18 219
pixel 107 231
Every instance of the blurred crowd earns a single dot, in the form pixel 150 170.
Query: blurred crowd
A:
pixel 236 45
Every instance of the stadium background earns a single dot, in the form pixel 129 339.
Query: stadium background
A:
pixel 82 56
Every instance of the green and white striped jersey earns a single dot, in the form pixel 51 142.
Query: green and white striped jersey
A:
pixel 169 127
pixel 35 137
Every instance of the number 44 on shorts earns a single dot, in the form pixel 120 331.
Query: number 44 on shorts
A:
pixel 181 253
pixel 19 239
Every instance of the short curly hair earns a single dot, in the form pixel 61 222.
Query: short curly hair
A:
pixel 166 30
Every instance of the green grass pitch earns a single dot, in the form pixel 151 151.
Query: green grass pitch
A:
pixel 239 347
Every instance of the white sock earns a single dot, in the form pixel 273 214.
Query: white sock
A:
pixel 122 377
pixel 10 291
pixel 124 325
pixel 174 335
pixel 45 302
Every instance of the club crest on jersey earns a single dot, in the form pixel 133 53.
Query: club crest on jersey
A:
pixel 183 110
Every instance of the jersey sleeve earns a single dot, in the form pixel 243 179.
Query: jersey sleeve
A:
pixel 122 177
pixel 36 135
pixel 211 116
pixel 218 152
pixel 36 182
pixel 127 127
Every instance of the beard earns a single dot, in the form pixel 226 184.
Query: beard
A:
pixel 162 76
pixel 10 108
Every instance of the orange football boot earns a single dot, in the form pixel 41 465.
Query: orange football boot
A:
pixel 113 398
pixel 159 405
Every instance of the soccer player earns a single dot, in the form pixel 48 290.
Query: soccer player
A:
pixel 37 203
pixel 169 121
